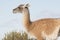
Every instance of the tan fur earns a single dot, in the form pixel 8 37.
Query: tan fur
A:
pixel 52 36
pixel 48 25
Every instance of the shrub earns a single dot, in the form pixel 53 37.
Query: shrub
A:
pixel 16 36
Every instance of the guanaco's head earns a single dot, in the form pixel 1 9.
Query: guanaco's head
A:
pixel 20 8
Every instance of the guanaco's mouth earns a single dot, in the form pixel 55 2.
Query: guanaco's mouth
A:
pixel 14 12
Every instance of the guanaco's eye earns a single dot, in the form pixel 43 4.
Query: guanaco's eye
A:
pixel 19 7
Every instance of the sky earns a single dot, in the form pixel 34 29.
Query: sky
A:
pixel 38 9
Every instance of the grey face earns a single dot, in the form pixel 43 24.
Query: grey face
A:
pixel 20 8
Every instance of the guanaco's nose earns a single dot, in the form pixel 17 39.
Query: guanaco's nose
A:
pixel 14 10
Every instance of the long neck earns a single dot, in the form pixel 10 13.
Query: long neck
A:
pixel 26 18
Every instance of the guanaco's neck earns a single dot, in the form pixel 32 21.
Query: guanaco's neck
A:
pixel 26 18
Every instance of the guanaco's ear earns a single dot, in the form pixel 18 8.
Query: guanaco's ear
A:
pixel 27 5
